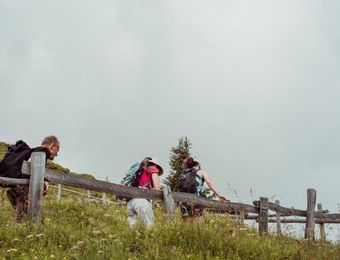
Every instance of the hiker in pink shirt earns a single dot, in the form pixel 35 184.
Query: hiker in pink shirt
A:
pixel 140 209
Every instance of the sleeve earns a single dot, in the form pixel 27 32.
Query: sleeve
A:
pixel 153 169
pixel 43 149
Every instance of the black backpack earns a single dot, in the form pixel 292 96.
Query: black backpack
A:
pixel 187 181
pixel 11 165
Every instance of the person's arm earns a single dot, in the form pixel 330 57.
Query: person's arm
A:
pixel 155 181
pixel 211 185
pixel 46 187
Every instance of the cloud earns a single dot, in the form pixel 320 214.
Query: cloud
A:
pixel 253 86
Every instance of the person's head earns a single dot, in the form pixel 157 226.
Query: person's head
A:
pixel 184 163
pixel 52 143
pixel 152 161
pixel 191 163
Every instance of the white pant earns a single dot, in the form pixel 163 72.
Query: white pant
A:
pixel 140 210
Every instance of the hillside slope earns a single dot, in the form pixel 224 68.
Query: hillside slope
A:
pixel 88 231
pixel 74 229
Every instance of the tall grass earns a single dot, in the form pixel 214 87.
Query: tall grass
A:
pixel 79 231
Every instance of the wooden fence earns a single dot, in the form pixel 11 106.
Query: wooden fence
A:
pixel 89 197
pixel 259 211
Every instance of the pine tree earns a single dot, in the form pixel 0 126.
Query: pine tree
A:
pixel 177 155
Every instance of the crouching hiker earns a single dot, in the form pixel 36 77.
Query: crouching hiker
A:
pixel 144 175
pixel 11 167
pixel 192 181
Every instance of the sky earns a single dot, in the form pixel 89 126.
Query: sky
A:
pixel 254 85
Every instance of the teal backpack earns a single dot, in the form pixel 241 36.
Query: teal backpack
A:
pixel 132 175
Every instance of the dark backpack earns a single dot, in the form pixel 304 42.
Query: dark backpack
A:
pixel 187 181
pixel 11 165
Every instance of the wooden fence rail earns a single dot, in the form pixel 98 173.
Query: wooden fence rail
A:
pixel 303 221
pixel 259 210
pixel 91 197
pixel 290 211
pixel 132 192
pixel 4 182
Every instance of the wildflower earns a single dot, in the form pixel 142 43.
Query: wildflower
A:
pixel 52 256
pixel 12 250
pixel 29 236
pixel 39 235
pixel 100 252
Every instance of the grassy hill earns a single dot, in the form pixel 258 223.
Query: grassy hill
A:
pixel 74 230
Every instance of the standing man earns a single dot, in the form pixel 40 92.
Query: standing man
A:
pixel 18 195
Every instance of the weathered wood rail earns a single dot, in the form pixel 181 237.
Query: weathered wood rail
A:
pixel 259 211
pixel 90 198
pixel 132 192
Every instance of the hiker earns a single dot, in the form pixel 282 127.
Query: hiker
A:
pixel 11 167
pixel 192 181
pixel 139 209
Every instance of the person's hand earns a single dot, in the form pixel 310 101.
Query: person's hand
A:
pixel 223 198
pixel 46 186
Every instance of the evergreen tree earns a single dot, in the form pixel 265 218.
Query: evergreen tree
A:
pixel 177 155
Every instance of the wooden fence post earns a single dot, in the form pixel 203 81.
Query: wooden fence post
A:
pixel 104 194
pixel 104 199
pixel 278 220
pixel 242 216
pixel 169 203
pixel 310 222
pixel 322 226
pixel 59 193
pixel 263 216
pixel 88 196
pixel 38 161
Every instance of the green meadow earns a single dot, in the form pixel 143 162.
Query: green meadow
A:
pixel 79 230
pixel 76 229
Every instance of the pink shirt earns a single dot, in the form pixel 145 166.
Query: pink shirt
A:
pixel 145 178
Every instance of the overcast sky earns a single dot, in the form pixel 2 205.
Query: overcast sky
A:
pixel 254 85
